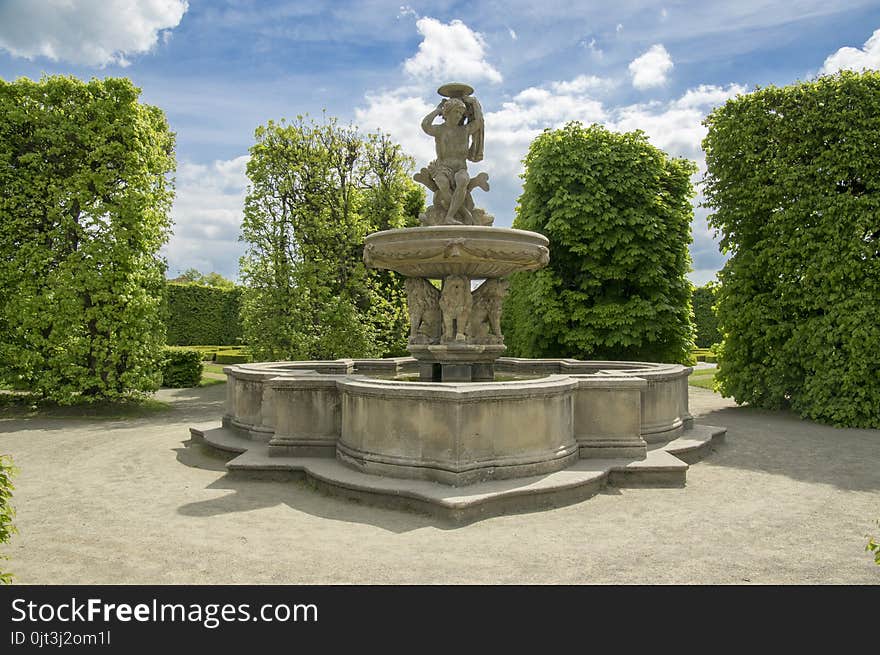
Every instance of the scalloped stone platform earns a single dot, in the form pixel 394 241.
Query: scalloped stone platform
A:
pixel 666 465
pixel 555 432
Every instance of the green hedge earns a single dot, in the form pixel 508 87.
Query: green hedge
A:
pixel 617 213
pixel 705 320
pixel 181 368
pixel 232 358
pixel 792 181
pixel 198 314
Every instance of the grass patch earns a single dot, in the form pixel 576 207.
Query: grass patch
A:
pixel 210 382
pixel 27 405
pixel 213 368
pixel 703 378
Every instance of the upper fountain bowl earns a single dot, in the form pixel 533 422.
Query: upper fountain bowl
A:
pixel 471 250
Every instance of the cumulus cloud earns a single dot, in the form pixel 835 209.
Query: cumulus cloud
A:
pixel 650 69
pixel 450 52
pixel 582 84
pixel 207 216
pixel 868 56
pixel 86 32
pixel 398 113
pixel 676 126
pixel 708 95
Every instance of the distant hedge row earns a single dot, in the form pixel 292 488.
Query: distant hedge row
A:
pixel 181 368
pixel 199 315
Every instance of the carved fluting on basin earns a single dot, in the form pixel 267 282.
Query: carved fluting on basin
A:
pixel 439 251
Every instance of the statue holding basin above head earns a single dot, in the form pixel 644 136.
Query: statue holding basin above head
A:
pixel 458 139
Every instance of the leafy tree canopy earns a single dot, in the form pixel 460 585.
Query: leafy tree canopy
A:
pixel 617 213
pixel 793 182
pixel 84 169
pixel 317 189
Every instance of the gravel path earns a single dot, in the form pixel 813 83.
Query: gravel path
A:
pixel 782 501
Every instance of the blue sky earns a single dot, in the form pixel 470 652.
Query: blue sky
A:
pixel 219 68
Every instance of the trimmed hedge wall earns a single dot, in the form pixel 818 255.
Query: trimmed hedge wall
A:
pixel 181 368
pixel 232 358
pixel 793 183
pixel 198 315
pixel 705 320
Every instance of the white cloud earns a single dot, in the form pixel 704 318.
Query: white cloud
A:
pixel 450 52
pixel 708 95
pixel 676 127
pixel 207 216
pixel 406 10
pixel 86 32
pixel 868 56
pixel 398 113
pixel 582 84
pixel 593 48
pixel 650 69
pixel 512 33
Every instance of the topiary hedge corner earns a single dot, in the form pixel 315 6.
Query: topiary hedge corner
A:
pixel 197 314
pixel 232 358
pixel 181 368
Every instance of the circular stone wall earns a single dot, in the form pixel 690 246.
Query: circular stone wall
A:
pixel 458 433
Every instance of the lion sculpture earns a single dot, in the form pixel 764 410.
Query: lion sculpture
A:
pixel 485 318
pixel 423 302
pixel 455 306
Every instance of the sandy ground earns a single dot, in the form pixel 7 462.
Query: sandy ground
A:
pixel 782 501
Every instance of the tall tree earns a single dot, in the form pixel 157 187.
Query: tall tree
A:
pixel 84 169
pixel 316 191
pixel 617 213
pixel 792 179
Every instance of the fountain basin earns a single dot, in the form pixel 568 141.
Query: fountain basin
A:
pixel 458 433
pixel 442 250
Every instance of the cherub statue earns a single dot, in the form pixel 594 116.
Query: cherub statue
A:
pixel 458 139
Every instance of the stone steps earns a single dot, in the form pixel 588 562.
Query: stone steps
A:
pixel 665 466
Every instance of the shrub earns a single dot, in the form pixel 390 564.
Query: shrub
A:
pixel 84 210
pixel 617 213
pixel 181 368
pixel 792 179
pixel 232 358
pixel 197 314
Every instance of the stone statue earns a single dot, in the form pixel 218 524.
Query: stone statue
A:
pixel 455 307
pixel 458 139
pixel 485 319
pixel 423 302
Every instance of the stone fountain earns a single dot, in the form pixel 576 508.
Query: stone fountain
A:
pixel 455 333
pixel 438 431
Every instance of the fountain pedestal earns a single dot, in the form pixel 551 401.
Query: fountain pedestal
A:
pixel 455 324
pixel 457 362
